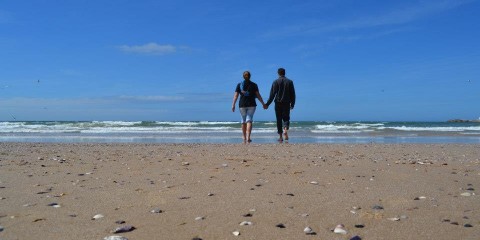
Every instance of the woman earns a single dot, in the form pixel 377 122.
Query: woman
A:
pixel 248 91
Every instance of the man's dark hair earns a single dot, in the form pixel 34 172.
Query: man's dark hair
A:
pixel 281 71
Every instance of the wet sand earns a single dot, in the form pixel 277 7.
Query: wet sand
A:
pixel 204 191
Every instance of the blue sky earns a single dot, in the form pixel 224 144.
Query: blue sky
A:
pixel 180 60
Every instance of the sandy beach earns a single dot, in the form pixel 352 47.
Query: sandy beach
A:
pixel 206 191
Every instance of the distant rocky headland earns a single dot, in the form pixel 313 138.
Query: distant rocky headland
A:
pixel 463 121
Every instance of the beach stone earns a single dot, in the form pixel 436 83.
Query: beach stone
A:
pixel 120 222
pixel 466 194
pixel 280 225
pixel 468 225
pixel 236 233
pixel 377 207
pixel 356 238
pixel 115 238
pixel 196 238
pixel 1 228
pixel 247 215
pixel 122 229
pixel 359 225
pixel 199 218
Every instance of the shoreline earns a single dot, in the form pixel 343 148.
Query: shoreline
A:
pixel 206 190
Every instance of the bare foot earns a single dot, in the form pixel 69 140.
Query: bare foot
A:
pixel 286 135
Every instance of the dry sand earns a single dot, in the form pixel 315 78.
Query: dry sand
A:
pixel 205 191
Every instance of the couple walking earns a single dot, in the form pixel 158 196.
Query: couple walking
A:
pixel 282 91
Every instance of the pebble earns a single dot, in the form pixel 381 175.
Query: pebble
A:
pixel 356 238
pixel 115 238
pixel 247 215
pixel 468 225
pixel 98 216
pixel 466 194
pixel 394 219
pixel 199 218
pixel 304 215
pixel 309 231
pixel 1 229
pixel 185 163
pixel 210 194
pixel 196 238
pixel 377 207
pixel 280 225
pixel 236 233
pixel 122 229
pixel 314 182
pixel 225 165
pixel 120 222
pixel 359 225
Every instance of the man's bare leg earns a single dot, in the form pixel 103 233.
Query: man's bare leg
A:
pixel 285 133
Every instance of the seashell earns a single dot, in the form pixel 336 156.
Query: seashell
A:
pixel 314 182
pixel 156 210
pixel 394 219
pixel 225 165
pixel 185 163
pixel 308 230
pixel 210 194
pixel 122 229
pixel 199 218
pixel 236 233
pixel 466 194
pixel 98 216
pixel 340 229
pixel 115 238
pixel 304 215
pixel 245 223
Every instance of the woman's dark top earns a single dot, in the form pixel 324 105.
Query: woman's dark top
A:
pixel 248 92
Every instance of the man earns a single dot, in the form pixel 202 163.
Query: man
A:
pixel 283 92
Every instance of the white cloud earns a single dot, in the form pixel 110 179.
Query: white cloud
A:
pixel 149 49
pixel 394 17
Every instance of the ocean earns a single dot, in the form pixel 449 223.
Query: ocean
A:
pixel 230 132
